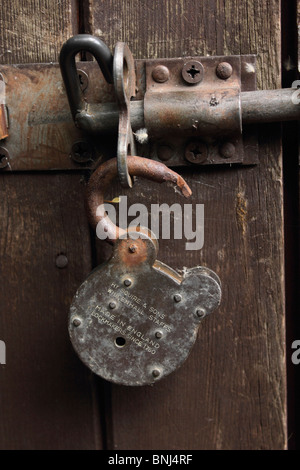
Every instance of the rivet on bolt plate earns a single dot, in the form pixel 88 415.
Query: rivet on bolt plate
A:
pixel 156 373
pixel 164 152
pixel 227 150
pixel 200 312
pixel 196 152
pixel 76 322
pixel 112 305
pixel 224 70
pixel 158 335
pixel 61 261
pixel 127 282
pixel 177 298
pixel 160 74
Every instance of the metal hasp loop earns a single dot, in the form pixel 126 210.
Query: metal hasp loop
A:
pixel 124 81
pixel 88 43
pixel 103 176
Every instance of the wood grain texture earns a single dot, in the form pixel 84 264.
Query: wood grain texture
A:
pixel 48 400
pixel 230 393
pixel 46 397
pixel 34 31
pixel 298 27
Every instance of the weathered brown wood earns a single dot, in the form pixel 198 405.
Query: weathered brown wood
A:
pixel 47 397
pixel 34 32
pixel 48 400
pixel 230 394
pixel 298 25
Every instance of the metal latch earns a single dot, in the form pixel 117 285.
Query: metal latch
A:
pixel 189 111
pixel 193 109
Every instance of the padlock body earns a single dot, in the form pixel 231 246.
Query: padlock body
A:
pixel 134 320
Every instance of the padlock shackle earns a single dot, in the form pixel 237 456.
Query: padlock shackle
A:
pixel 78 43
pixel 103 176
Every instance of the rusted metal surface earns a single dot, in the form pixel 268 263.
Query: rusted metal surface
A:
pixel 192 72
pixel 104 175
pixel 120 330
pixel 42 132
pixel 270 105
pixel 210 108
pixel 208 112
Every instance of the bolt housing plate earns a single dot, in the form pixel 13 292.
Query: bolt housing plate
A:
pixel 206 113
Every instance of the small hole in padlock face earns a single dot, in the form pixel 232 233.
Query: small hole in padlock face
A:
pixel 120 342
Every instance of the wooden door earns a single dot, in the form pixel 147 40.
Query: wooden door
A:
pixel 231 393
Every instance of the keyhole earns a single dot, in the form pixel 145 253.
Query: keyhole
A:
pixel 120 342
pixel 80 80
pixel 83 79
pixel 193 71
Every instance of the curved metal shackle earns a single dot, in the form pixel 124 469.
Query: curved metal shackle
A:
pixel 102 177
pixel 88 43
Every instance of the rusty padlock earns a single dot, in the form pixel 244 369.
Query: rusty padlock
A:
pixel 134 320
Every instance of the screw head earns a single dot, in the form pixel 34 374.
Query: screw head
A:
pixel 158 335
pixel 155 373
pixel 227 150
pixel 112 305
pixel 200 312
pixel 83 79
pixel 4 158
pixel 82 152
pixel 76 322
pixel 177 298
pixel 192 72
pixel 132 248
pixel 224 70
pixel 127 282
pixel 196 152
pixel 61 261
pixel 161 74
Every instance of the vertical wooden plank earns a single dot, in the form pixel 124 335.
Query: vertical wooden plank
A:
pixel 230 393
pixel 33 31
pixel 48 400
pixel 46 395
